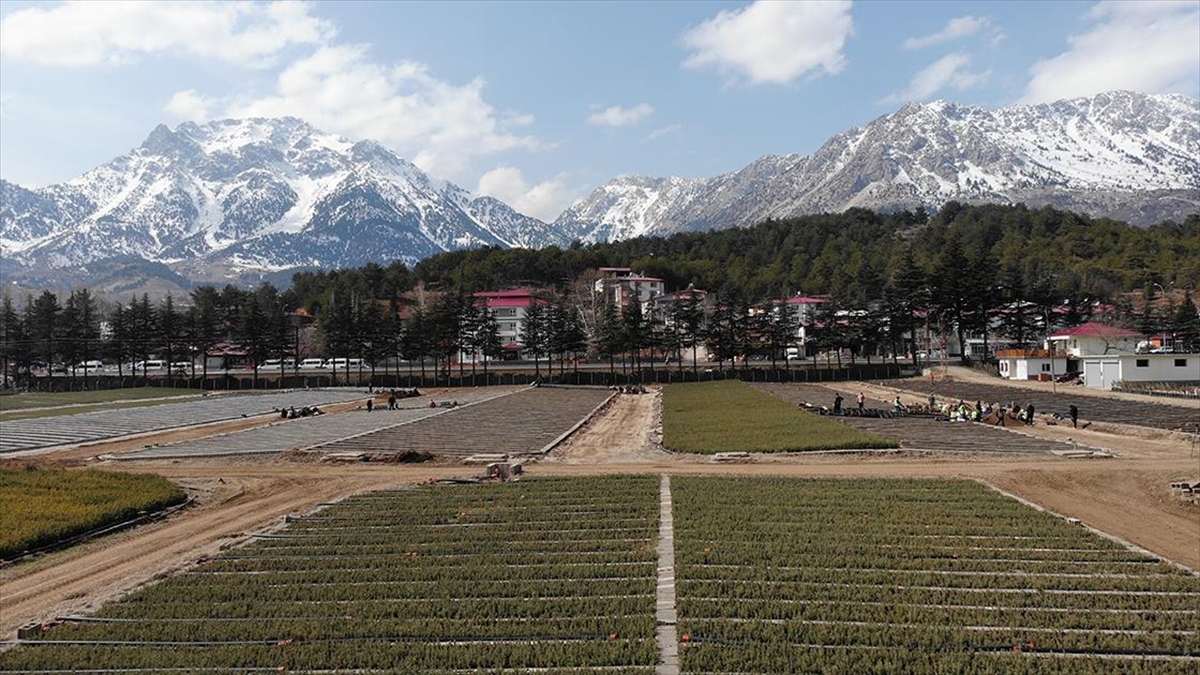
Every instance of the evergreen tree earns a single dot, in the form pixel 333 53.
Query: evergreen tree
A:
pixel 907 298
pixel 1185 324
pixel 171 333
pixel 204 329
pixel 14 343
pixel 635 332
pixel 44 326
pixel 250 335
pixel 534 333
pixel 143 329
pixel 487 338
pixel 607 338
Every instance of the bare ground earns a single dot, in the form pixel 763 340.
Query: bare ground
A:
pixel 1127 497
pixel 623 432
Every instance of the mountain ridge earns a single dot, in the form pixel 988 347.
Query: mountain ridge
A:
pixel 1111 154
pixel 234 199
pixel 260 194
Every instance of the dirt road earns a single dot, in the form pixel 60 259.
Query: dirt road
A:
pixel 624 432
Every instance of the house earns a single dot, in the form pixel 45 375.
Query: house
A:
pixel 1034 364
pixel 621 286
pixel 1065 350
pixel 1103 355
pixel 1094 339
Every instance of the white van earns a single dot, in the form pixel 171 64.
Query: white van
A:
pixel 88 366
pixel 343 364
pixel 312 364
pixel 274 364
pixel 150 365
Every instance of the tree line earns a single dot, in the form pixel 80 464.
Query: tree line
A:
pixel 886 279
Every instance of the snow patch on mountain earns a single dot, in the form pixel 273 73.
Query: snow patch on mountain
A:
pixel 257 195
pixel 1117 154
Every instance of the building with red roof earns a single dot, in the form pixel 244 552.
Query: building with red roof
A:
pixel 509 308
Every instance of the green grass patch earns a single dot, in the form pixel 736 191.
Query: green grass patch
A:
pixel 29 405
pixel 43 506
pixel 729 416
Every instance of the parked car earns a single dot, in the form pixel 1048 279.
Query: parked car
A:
pixel 88 366
pixel 343 364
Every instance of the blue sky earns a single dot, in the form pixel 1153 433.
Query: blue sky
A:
pixel 538 103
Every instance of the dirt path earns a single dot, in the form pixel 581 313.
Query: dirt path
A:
pixel 623 432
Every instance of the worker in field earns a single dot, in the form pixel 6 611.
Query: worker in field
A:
pixel 1073 412
pixel 837 404
pixel 861 400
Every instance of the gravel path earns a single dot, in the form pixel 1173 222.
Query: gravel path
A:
pixel 1090 407
pixel 920 433
pixel 44 432
pixel 520 424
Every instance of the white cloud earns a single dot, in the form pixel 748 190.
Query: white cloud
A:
pixel 441 126
pixel 188 105
pixel 773 41
pixel 955 28
pixel 545 200
pixel 616 116
pixel 664 131
pixel 99 32
pixel 7 104
pixel 948 71
pixel 1150 47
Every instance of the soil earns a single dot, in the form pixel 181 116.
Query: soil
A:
pixel 1127 496
pixel 623 432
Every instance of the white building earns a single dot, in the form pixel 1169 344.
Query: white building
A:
pixel 621 286
pixel 1103 355
pixel 1094 339
pixel 1101 372
pixel 802 309
pixel 509 309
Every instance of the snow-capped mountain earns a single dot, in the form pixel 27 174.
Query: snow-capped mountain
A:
pixel 253 194
pixel 1124 155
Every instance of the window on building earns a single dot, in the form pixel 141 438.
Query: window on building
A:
pixel 1181 363
pixel 1143 363
pixel 1045 367
pixel 506 312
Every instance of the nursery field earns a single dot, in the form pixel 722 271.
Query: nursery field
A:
pixel 730 416
pixel 547 574
pixel 44 506
pixel 558 575
pixel 903 576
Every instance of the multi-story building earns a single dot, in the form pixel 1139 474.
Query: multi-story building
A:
pixel 621 286
pixel 509 309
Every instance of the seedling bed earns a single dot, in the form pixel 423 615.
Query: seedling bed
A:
pixel 422 597
pixel 800 575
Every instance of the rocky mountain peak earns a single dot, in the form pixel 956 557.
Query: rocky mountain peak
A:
pixel 252 194
pixel 1119 154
